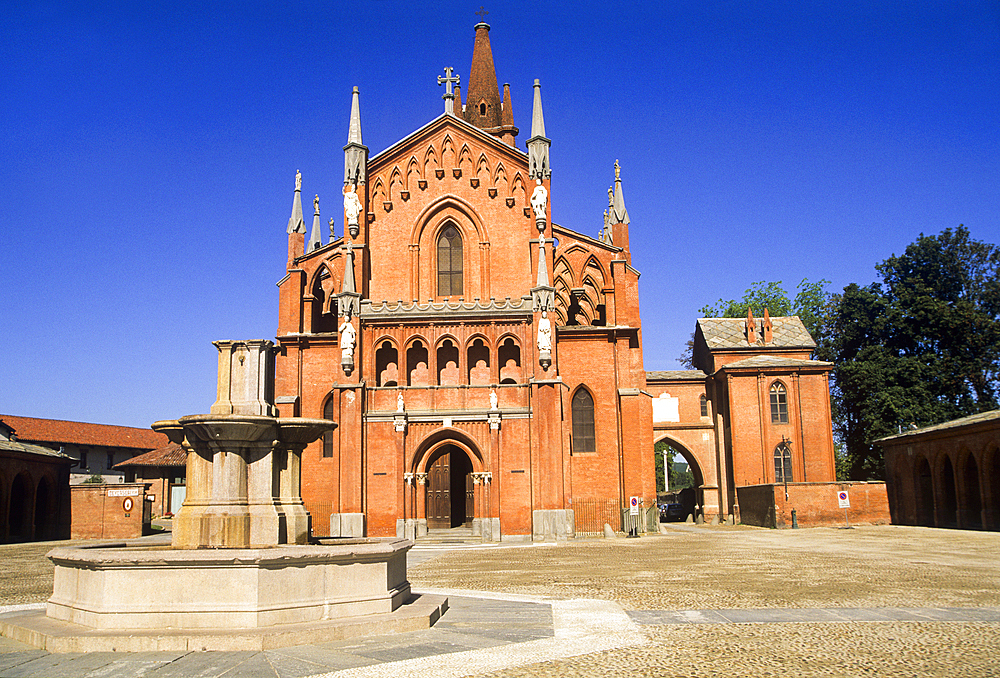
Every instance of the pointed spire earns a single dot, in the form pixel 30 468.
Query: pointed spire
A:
pixel 538 144
pixel 507 115
pixel 354 131
pixel 315 238
pixel 295 222
pixel 355 152
pixel 483 107
pixel 619 214
pixel 537 120
pixel 458 101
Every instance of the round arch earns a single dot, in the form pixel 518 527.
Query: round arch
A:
pixel 689 457
pixel 432 444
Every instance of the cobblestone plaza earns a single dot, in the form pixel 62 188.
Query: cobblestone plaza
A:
pixel 697 601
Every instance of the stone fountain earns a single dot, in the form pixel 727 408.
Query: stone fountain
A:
pixel 240 571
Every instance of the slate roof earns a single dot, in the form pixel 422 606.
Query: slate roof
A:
pixel 954 423
pixel 693 375
pixel 80 433
pixel 722 333
pixel 765 361
pixel 170 455
pixel 28 448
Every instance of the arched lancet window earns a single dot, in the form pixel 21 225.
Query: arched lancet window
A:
pixel 783 463
pixel 583 422
pixel 779 404
pixel 328 436
pixel 449 264
pixel 703 401
pixel 482 108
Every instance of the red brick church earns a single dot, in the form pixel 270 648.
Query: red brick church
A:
pixel 485 365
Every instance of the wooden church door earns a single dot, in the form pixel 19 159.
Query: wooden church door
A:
pixel 439 492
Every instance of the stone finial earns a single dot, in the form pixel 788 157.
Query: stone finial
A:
pixel 295 222
pixel 619 214
pixel 315 237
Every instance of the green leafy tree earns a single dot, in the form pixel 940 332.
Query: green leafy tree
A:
pixel 920 348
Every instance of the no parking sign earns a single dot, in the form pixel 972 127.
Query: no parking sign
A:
pixel 843 501
pixel 633 506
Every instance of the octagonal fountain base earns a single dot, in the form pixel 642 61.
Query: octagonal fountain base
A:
pixel 122 598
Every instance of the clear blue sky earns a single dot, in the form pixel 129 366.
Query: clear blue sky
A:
pixel 149 150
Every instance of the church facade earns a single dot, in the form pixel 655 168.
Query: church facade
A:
pixel 484 364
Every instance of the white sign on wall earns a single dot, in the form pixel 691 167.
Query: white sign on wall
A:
pixel 633 506
pixel 123 492
pixel 843 501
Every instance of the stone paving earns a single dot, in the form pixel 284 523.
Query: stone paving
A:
pixel 698 601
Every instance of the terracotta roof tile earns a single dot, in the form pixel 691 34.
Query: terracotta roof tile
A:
pixel 954 423
pixel 170 455
pixel 81 433
pixel 28 448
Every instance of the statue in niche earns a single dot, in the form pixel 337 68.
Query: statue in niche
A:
pixel 538 199
pixel 352 206
pixel 399 401
pixel 493 399
pixel 544 333
pixel 348 336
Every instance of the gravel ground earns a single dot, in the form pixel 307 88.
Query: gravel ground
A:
pixel 727 568
pixel 701 567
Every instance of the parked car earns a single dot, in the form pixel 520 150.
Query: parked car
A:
pixel 671 512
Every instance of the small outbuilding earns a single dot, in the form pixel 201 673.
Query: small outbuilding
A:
pixel 163 472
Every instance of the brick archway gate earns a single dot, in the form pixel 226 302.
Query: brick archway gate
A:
pixel 697 506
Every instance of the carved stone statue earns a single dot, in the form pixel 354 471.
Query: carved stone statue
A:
pixel 538 198
pixel 298 180
pixel 348 336
pixel 493 399
pixel 352 206
pixel 544 333
pixel 399 401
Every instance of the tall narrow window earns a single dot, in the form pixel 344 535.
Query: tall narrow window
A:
pixel 779 404
pixel 583 422
pixel 328 436
pixel 782 463
pixel 449 251
pixel 703 401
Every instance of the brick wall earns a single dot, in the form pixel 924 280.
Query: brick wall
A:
pixel 98 511
pixel 815 504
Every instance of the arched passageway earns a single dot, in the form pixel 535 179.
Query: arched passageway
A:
pixel 972 505
pixel 687 488
pixel 20 508
pixel 924 487
pixel 44 513
pixel 948 516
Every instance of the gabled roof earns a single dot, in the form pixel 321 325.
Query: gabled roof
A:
pixel 766 361
pixel 687 375
pixel 57 431
pixel 723 333
pixel 170 455
pixel 442 121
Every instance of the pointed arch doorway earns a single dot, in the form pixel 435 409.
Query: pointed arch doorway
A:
pixel 450 499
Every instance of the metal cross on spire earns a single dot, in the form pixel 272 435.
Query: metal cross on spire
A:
pixel 482 14
pixel 449 95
